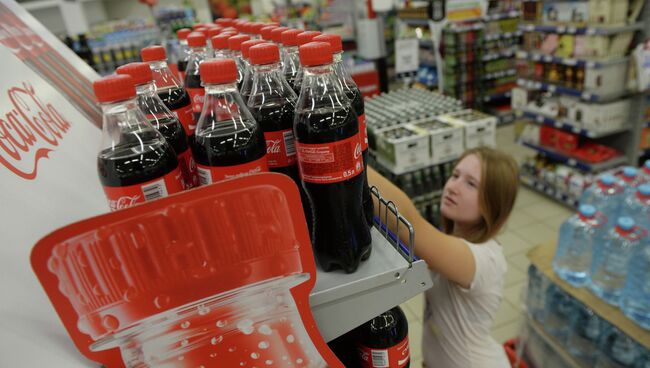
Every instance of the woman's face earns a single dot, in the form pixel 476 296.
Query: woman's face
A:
pixel 461 192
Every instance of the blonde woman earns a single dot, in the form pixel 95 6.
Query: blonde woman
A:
pixel 467 263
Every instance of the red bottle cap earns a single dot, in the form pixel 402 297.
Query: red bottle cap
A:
pixel 220 42
pixel 277 24
pixel 234 42
pixel 114 88
pixel 183 33
pixel 201 30
pixel 226 22
pixel 197 25
pixel 240 25
pixel 196 39
pixel 218 71
pixel 247 45
pixel 266 53
pixel 140 72
pixel 335 41
pixel 256 28
pixel 306 37
pixel 276 34
pixel 266 32
pixel 315 53
pixel 153 53
pixel 289 37
pixel 229 30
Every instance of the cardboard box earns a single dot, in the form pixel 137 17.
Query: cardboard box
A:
pixel 608 11
pixel 479 129
pixel 601 117
pixel 402 149
pixel 446 141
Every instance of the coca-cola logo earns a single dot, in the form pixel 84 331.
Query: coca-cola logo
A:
pixel 123 202
pixel 357 151
pixel 29 131
pixel 273 146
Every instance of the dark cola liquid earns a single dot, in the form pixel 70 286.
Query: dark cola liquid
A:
pixel 130 164
pixel 340 235
pixel 193 81
pixel 226 145
pixel 182 66
pixel 174 98
pixel 173 132
pixel 384 331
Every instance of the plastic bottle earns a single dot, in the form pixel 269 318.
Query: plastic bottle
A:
pixel 645 171
pixel 247 82
pixel 630 179
pixel 234 44
pixel 617 350
pixel 558 309
pixel 635 299
pixel 290 57
pixel 184 51
pixel 584 332
pixel 267 33
pixel 220 45
pixel 612 257
pixel 383 341
pixel 606 194
pixel 329 157
pixel 229 143
pixel 162 119
pixel 302 39
pixel 255 30
pixel 169 88
pixel 536 294
pixel 579 235
pixel 637 206
pixel 135 163
pixel 198 53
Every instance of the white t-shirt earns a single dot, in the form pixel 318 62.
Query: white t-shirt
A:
pixel 457 321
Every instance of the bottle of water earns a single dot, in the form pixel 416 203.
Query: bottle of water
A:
pixel 630 179
pixel 637 206
pixel 586 328
pixel 535 296
pixel 578 236
pixel 606 194
pixel 617 350
pixel 612 257
pixel 557 314
pixel 635 301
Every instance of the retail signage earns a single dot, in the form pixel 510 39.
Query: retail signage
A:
pixel 407 58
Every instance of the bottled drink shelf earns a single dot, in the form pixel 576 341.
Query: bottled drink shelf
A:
pixel 542 257
pixel 534 56
pixel 558 348
pixel 573 162
pixel 569 126
pixel 548 87
pixel 548 191
pixel 590 31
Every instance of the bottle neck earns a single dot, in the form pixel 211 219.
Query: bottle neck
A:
pixel 216 89
pixel 341 71
pixel 320 83
pixel 147 89
pixel 119 107
pixel 268 80
pixel 163 76
pixel 267 68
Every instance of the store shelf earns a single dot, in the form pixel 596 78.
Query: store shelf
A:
pixel 591 31
pixel 547 87
pixel 497 96
pixel 341 302
pixel 573 162
pixel 569 126
pixel 500 74
pixel 568 61
pixel 548 191
pixel 498 55
pixel 542 257
pixel 502 36
pixel 415 21
pixel 499 16
pixel 558 348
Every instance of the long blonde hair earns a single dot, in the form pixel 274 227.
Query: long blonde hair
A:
pixel 497 193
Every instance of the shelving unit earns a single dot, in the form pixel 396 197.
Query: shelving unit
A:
pixel 548 191
pixel 553 88
pixel 568 126
pixel 590 31
pixel 558 348
pixel 533 56
pixel 573 162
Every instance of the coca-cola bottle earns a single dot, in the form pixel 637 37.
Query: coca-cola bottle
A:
pixel 183 51
pixel 169 88
pixel 234 44
pixel 135 162
pixel 290 58
pixel 228 143
pixel 302 39
pixel 276 37
pixel 198 53
pixel 220 45
pixel 255 30
pixel 247 82
pixel 162 119
pixel 383 341
pixel 267 33
pixel 352 91
pixel 330 162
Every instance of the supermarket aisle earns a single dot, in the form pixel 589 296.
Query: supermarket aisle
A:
pixel 534 220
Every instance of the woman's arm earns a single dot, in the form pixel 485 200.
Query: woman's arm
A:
pixel 444 254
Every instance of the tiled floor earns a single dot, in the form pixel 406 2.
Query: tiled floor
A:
pixel 535 220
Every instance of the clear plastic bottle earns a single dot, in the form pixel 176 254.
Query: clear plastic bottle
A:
pixel 536 293
pixel 329 156
pixel 606 194
pixel 637 206
pixel 220 45
pixel 162 119
pixel 617 350
pixel 198 54
pixel 229 143
pixel 135 162
pixel 255 30
pixel 247 82
pixel 612 257
pixel 267 33
pixel 234 44
pixel 579 235
pixel 584 332
pixel 630 179
pixel 183 51
pixel 290 56
pixel 635 299
pixel 302 39
pixel 558 309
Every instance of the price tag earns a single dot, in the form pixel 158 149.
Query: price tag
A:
pixel 576 130
pixel 570 61
pixel 572 162
pixel 407 58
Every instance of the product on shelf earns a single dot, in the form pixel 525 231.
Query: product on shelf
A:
pixel 135 162
pixel 183 51
pixel 234 44
pixel 606 195
pixel 198 53
pixel 330 161
pixel 247 82
pixel 228 143
pixel 584 331
pixel 635 296
pixel 445 141
pixel 162 119
pixel 290 57
pixel 617 349
pixel 383 341
pixel 558 308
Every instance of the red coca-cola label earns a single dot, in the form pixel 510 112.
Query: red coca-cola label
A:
pixel 396 356
pixel 280 148
pixel 185 116
pixel 188 169
pixel 363 130
pixel 330 162
pixel 127 196
pixel 211 174
pixel 196 95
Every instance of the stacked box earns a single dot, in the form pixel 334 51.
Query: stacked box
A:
pixel 479 129
pixel 402 149
pixel 445 141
